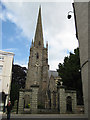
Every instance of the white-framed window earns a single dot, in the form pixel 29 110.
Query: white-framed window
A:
pixel 1 67
pixel 0 81
pixel 0 85
pixel 2 57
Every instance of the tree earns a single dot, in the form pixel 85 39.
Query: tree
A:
pixel 18 81
pixel 70 73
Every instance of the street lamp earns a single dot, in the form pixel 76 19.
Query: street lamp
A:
pixel 69 16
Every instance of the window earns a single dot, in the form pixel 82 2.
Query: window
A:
pixel 0 81
pixel 1 69
pixel 39 43
pixel 37 55
pixel 1 57
pixel 46 60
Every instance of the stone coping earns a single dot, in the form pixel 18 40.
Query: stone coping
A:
pixel 34 85
pixel 26 90
pixel 54 92
pixel 66 90
pixel 61 86
pixel 70 91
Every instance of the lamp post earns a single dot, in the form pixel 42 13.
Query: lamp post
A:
pixel 69 16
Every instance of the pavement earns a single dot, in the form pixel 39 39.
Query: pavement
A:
pixel 45 117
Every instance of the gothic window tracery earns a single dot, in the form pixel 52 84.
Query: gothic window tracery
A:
pixel 46 60
pixel 39 43
pixel 37 56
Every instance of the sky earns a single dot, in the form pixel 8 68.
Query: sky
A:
pixel 18 23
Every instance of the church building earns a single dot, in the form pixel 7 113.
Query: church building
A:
pixel 44 91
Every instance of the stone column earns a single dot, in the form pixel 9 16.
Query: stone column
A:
pixel 57 101
pixel 52 107
pixel 21 102
pixel 34 99
pixel 74 102
pixel 62 100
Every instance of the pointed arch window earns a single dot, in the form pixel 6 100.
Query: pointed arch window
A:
pixel 69 103
pixel 46 60
pixel 39 43
pixel 37 56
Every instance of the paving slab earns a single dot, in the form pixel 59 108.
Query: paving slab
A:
pixel 46 117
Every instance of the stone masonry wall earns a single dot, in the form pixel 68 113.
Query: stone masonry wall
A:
pixel 62 100
pixel 34 104
pixel 21 102
pixel 72 94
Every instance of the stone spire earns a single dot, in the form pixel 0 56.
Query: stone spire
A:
pixel 38 39
pixel 32 43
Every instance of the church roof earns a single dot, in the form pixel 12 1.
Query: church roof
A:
pixel 52 72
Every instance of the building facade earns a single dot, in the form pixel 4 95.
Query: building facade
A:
pixel 81 11
pixel 6 60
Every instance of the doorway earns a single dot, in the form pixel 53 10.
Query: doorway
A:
pixel 69 104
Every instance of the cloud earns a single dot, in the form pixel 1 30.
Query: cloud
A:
pixel 2 17
pixel 57 29
pixel 11 39
pixel 11 17
pixel 10 49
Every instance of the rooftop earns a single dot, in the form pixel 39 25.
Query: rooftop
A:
pixel 6 53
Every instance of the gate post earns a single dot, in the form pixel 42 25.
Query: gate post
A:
pixel 21 102
pixel 34 98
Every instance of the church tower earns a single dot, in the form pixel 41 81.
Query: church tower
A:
pixel 38 62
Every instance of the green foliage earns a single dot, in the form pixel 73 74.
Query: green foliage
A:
pixel 70 73
pixel 18 81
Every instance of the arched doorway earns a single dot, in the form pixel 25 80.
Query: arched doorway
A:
pixel 26 101
pixel 69 104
